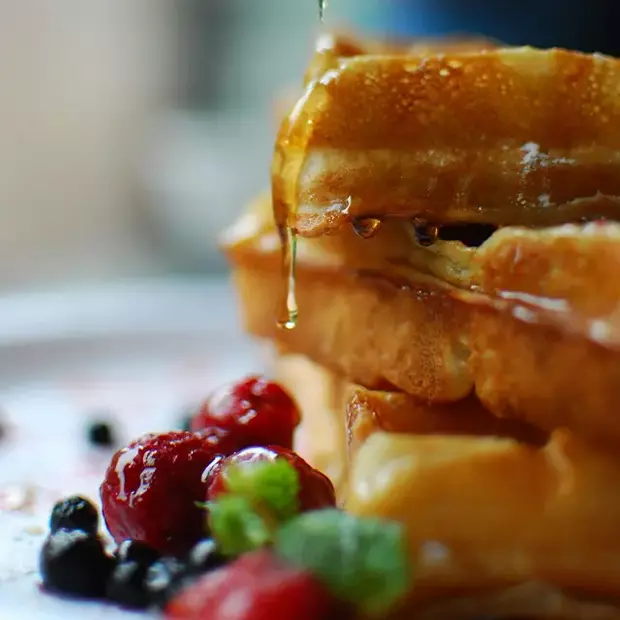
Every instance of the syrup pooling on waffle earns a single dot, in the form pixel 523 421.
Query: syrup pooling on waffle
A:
pixel 504 136
pixel 291 145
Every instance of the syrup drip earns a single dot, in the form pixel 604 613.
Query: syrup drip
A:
pixel 291 147
pixel 366 227
pixel 286 168
pixel 426 234
pixel 288 239
pixel 322 6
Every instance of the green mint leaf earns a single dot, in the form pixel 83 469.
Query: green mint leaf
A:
pixel 236 527
pixel 361 560
pixel 270 486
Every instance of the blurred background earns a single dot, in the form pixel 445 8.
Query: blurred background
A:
pixel 133 131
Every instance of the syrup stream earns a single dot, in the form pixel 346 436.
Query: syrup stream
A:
pixel 285 172
pixel 288 239
pixel 322 6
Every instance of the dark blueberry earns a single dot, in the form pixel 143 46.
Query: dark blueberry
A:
pixel 164 579
pixel 101 434
pixel 126 585
pixel 136 551
pixel 204 557
pixel 74 562
pixel 74 513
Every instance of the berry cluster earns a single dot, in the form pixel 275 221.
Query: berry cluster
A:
pixel 161 494
pixel 74 562
pixel 153 489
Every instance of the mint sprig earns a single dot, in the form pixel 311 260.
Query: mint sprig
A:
pixel 268 485
pixel 261 496
pixel 361 560
pixel 236 526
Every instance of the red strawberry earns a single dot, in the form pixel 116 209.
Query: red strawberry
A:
pixel 254 412
pixel 257 586
pixel 316 490
pixel 151 488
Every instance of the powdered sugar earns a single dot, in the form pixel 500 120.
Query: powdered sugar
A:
pixel 534 158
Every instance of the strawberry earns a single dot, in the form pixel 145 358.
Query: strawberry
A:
pixel 315 489
pixel 253 412
pixel 257 586
pixel 151 488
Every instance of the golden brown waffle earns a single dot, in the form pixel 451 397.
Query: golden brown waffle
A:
pixel 529 320
pixel 487 422
pixel 333 45
pixel 486 513
pixel 338 416
pixel 501 136
pixel 373 411
pixel 493 503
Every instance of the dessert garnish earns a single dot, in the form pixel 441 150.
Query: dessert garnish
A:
pixel 74 513
pixel 206 527
pixel 73 562
pixel 252 412
pixel 151 487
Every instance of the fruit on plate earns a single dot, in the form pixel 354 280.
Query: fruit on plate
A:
pixel 252 412
pixel 257 586
pixel 151 489
pixel 315 489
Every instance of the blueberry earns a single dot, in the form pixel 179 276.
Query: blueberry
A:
pixel 101 434
pixel 136 551
pixel 126 585
pixel 164 579
pixel 204 557
pixel 74 562
pixel 74 513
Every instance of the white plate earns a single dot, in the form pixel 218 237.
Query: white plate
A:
pixel 142 351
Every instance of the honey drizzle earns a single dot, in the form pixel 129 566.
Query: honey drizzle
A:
pixel 285 172
pixel 291 146
pixel 322 7
pixel 288 239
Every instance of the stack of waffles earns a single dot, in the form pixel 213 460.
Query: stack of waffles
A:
pixel 438 267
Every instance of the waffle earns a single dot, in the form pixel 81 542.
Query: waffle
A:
pixel 374 411
pixel 529 321
pixel 344 45
pixel 457 347
pixel 459 459
pixel 338 416
pixel 506 136
pixel 488 513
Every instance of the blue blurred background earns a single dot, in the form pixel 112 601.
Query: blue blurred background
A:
pixel 133 131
